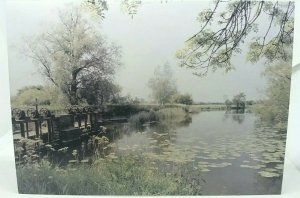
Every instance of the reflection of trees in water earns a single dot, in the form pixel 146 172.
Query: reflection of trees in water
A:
pixel 188 120
pixel 170 127
pixel 160 134
pixel 235 115
pixel 118 131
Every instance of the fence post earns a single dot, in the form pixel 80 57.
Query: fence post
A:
pixel 27 130
pixel 37 132
pixel 85 120
pixel 22 129
pixel 49 130
pixel 79 120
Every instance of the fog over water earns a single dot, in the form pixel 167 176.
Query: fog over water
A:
pixel 149 39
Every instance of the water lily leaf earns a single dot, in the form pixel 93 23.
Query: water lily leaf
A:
pixel 249 166
pixel 268 174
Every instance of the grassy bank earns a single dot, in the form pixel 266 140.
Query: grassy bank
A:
pixel 129 109
pixel 170 115
pixel 111 174
pixel 206 107
pixel 276 116
pixel 127 175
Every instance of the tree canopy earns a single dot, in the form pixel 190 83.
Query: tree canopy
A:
pixel 228 24
pixel 96 90
pixel 276 106
pixel 163 84
pixel 184 99
pixel 70 50
pixel 98 7
pixel 267 26
pixel 45 95
pixel 239 100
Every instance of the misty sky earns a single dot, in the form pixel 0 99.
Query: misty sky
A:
pixel 151 38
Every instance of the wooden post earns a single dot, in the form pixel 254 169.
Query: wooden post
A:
pixel 96 121
pixel 22 129
pixel 40 126
pixel 85 120
pixel 27 130
pixel 52 129
pixel 49 130
pixel 79 120
pixel 91 120
pixel 37 132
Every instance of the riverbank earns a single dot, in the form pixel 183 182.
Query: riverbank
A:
pixel 112 175
pixel 168 158
pixel 105 172
pixel 127 109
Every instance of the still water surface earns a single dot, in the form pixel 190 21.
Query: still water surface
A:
pixel 234 153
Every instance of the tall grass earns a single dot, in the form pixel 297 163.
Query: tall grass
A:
pixel 112 174
pixel 127 175
pixel 166 115
pixel 172 115
pixel 143 117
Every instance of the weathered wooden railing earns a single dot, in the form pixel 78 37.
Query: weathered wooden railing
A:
pixel 50 128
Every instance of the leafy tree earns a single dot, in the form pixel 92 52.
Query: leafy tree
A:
pixel 239 100
pixel 228 103
pixel 127 99
pixel 70 50
pixel 224 27
pixel 250 102
pixel 163 84
pixel 229 24
pixel 275 108
pixel 97 8
pixel 98 90
pixel 184 99
pixel 45 95
pixel 27 95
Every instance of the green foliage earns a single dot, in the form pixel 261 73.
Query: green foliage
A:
pixel 162 84
pixel 137 120
pixel 184 99
pixel 28 94
pixel 224 29
pixel 168 115
pixel 123 100
pixel 275 108
pixel 118 176
pixel 130 7
pixel 239 100
pixel 98 90
pixel 97 8
pixel 46 96
pixel 122 109
pixel 228 102
pixel 70 50
pixel 172 115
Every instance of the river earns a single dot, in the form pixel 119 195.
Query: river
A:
pixel 234 154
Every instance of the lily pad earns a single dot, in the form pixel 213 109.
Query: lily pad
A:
pixel 268 174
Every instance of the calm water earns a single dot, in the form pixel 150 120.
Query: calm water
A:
pixel 233 153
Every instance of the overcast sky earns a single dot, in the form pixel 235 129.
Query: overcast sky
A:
pixel 150 39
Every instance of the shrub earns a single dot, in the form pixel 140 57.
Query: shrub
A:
pixel 143 117
pixel 172 115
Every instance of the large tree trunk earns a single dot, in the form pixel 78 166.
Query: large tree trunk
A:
pixel 73 90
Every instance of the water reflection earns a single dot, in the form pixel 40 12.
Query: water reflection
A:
pixel 231 152
pixel 237 116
